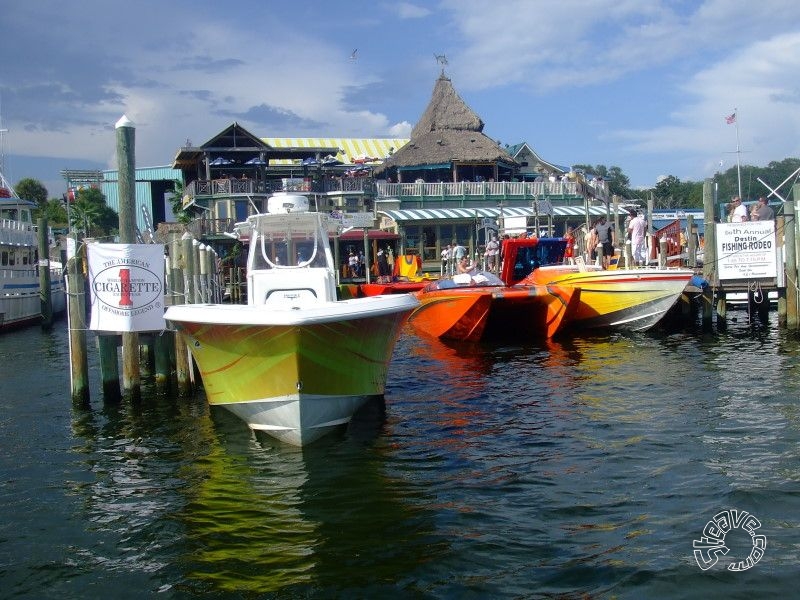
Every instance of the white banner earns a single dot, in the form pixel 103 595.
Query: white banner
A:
pixel 126 286
pixel 746 250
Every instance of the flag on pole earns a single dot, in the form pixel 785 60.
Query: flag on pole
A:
pixel 731 118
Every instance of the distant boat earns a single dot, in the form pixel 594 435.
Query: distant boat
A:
pixel 294 362
pixel 20 296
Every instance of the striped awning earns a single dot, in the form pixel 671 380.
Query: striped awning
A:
pixel 350 149
pixel 431 214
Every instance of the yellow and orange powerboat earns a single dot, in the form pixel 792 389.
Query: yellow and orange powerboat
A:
pixel 634 299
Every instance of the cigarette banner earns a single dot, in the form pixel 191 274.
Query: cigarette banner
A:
pixel 126 287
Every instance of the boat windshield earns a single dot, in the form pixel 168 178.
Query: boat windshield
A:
pixel 290 251
pixel 476 279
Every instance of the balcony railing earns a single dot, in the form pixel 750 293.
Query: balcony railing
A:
pixel 231 187
pixel 204 228
pixel 493 189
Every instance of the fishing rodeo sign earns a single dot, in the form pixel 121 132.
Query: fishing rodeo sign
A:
pixel 747 250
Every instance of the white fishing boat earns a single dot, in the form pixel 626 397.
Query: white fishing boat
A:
pixel 295 362
pixel 20 296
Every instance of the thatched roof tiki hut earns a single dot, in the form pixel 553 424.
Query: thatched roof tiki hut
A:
pixel 448 144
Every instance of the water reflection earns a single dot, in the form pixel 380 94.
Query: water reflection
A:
pixel 179 485
pixel 566 468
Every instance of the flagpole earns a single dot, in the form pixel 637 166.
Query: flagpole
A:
pixel 738 151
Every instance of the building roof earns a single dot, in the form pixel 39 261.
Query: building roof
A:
pixel 516 150
pixel 233 146
pixel 448 131
pixel 345 150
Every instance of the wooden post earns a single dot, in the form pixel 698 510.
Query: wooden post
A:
pixel 188 268
pixel 216 276
pixel 44 276
pixel 126 135
pixel 146 358
pixel 662 253
pixel 780 223
pixel 181 351
pixel 205 288
pixel 109 367
pixel 691 242
pixel 790 235
pixel 162 346
pixel 76 314
pixel 197 264
pixel 366 255
pixel 709 252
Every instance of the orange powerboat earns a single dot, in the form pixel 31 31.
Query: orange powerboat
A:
pixel 475 307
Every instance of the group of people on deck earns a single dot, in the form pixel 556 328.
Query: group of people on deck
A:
pixel 760 211
pixel 355 265
pixel 455 258
pixel 599 240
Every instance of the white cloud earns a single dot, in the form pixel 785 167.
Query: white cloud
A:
pixel 407 10
pixel 401 130
pixel 758 82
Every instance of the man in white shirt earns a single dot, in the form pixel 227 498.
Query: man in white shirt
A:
pixel 492 251
pixel 637 228
pixel 739 214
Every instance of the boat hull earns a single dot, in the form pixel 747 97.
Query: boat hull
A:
pixel 20 298
pixel 477 313
pixel 293 374
pixel 395 287
pixel 633 299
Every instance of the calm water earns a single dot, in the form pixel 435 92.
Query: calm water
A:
pixel 580 468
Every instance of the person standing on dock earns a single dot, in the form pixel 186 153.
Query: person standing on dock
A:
pixel 762 211
pixel 739 214
pixel 605 245
pixel 591 244
pixel 492 253
pixel 569 249
pixel 636 228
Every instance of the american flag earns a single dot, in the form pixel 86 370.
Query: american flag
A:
pixel 731 118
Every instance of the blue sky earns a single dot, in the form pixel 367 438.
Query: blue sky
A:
pixel 642 85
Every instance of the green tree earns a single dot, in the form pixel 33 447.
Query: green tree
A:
pixel 775 173
pixel 33 190
pixel 176 201
pixel 618 183
pixel 671 192
pixel 55 213
pixel 90 214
